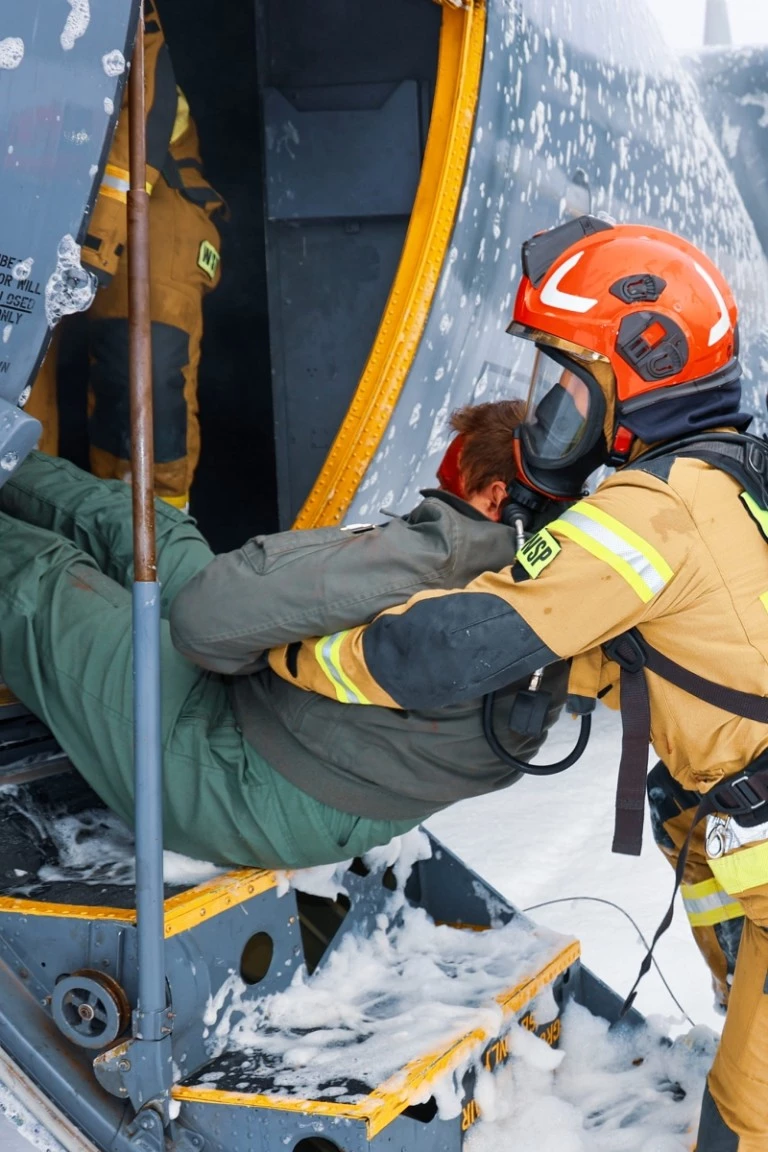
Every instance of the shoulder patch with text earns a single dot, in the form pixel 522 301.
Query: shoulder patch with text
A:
pixel 208 259
pixel 537 552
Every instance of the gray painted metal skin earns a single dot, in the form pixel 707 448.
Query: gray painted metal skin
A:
pixel 734 88
pixel 58 109
pixel 581 107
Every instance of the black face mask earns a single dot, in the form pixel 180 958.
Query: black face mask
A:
pixel 558 420
pixel 558 423
pixel 568 483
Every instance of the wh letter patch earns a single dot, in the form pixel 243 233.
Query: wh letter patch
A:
pixel 208 259
pixel 537 552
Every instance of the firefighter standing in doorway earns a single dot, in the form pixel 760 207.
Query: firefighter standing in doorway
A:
pixel 184 265
pixel 656 584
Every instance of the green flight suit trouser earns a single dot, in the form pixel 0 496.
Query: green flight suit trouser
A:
pixel 65 650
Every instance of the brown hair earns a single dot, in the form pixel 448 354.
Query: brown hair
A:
pixel 486 454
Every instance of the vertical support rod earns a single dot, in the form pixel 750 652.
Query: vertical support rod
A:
pixel 150 1022
pixel 140 366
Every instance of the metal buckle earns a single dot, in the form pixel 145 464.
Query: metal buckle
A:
pixel 746 794
pixel 632 658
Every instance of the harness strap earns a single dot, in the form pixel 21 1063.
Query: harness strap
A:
pixel 633 767
pixel 202 195
pixel 634 654
pixel 733 700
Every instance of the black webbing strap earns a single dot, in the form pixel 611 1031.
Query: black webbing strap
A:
pixel 705 807
pixel 633 767
pixel 745 704
pixel 634 654
pixel 743 796
pixel 202 195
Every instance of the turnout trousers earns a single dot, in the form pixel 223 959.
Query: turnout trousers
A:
pixel 728 913
pixel 65 650
pixel 182 241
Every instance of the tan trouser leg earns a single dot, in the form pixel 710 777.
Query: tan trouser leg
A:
pixel 177 229
pixel 43 401
pixel 738 1081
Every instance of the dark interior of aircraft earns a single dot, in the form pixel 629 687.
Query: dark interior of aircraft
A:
pixel 303 285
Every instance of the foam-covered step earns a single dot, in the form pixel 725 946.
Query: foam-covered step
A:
pixel 59 845
pixel 382 1043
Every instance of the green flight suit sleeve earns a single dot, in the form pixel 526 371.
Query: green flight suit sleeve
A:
pixel 278 589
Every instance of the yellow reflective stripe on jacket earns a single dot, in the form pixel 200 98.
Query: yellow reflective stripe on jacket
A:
pixel 180 502
pixel 327 656
pixel 708 903
pixel 632 557
pixel 116 184
pixel 758 514
pixel 182 116
pixel 742 870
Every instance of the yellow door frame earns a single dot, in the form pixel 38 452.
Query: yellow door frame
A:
pixel 460 61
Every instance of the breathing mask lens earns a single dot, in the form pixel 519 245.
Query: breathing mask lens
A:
pixel 564 413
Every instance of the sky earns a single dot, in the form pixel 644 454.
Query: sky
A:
pixel 682 21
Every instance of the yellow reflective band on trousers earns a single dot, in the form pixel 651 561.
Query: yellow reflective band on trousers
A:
pixel 633 558
pixel 327 656
pixel 742 870
pixel 116 183
pixel 708 903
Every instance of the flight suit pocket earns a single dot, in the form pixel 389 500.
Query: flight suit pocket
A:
pixel 85 576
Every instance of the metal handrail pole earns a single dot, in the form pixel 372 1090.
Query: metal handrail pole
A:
pixel 150 1019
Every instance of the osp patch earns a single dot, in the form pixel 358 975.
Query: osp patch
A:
pixel 538 552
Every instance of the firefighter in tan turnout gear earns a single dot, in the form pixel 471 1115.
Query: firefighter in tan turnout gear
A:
pixel 656 585
pixel 184 265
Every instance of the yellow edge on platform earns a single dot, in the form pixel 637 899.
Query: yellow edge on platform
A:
pixel 462 39
pixel 181 912
pixel 6 696
pixel 387 1101
pixel 207 900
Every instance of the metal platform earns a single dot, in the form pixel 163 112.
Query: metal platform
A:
pixel 382 1114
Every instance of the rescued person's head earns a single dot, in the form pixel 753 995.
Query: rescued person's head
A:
pixel 478 465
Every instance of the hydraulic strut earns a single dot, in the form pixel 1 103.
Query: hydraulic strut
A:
pixel 151 1018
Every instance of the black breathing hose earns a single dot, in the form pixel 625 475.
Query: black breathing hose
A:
pixel 520 765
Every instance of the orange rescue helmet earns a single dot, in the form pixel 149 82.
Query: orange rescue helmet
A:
pixel 636 331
